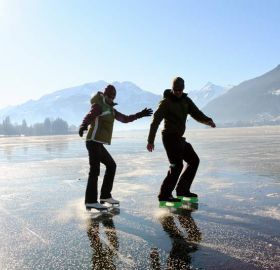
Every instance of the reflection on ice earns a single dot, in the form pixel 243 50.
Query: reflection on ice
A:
pixel 184 235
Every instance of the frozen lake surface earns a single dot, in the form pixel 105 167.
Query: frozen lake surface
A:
pixel 44 225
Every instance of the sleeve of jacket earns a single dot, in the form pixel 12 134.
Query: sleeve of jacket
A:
pixel 125 118
pixel 196 113
pixel 91 115
pixel 157 118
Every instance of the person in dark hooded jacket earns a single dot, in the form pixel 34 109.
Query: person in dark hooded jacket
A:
pixel 100 120
pixel 174 109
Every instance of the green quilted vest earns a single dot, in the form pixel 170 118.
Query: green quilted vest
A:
pixel 102 128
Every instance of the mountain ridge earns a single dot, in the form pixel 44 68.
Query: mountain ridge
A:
pixel 207 93
pixel 251 101
pixel 71 104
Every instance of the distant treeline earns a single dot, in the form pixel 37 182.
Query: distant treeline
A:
pixel 48 127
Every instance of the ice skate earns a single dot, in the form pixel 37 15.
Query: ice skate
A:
pixel 96 206
pixel 188 197
pixel 112 202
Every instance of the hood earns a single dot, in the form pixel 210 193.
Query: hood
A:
pixel 99 98
pixel 168 94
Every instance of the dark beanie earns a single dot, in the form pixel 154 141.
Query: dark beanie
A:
pixel 177 80
pixel 110 89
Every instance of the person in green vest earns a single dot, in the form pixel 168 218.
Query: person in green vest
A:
pixel 100 120
pixel 174 109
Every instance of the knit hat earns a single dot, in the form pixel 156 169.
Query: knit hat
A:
pixel 110 90
pixel 178 81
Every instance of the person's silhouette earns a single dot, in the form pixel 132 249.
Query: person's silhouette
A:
pixel 104 250
pixel 183 244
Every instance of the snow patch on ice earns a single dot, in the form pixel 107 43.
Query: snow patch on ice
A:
pixel 71 211
pixel 276 92
pixel 235 197
pixel 125 188
pixel 136 173
pixel 272 195
pixel 235 218
pixel 220 185
pixel 271 212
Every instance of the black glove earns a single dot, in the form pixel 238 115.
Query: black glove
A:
pixel 145 112
pixel 81 130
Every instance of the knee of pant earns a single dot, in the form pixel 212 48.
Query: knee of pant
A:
pixel 94 172
pixel 195 161
pixel 176 167
pixel 112 167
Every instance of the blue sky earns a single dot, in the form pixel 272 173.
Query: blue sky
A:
pixel 50 45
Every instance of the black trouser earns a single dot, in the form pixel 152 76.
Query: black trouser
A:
pixel 98 154
pixel 178 150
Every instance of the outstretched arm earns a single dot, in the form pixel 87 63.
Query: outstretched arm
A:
pixel 199 115
pixel 210 123
pixel 129 118
pixel 89 118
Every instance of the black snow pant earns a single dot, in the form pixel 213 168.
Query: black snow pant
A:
pixel 98 154
pixel 178 150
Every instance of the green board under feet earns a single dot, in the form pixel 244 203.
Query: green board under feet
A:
pixel 188 199
pixel 170 204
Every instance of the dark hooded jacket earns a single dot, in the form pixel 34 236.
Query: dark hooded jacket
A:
pixel 174 111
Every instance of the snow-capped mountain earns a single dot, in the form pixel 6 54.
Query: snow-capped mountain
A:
pixel 254 102
pixel 207 93
pixel 73 103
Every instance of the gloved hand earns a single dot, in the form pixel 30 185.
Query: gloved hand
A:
pixel 211 123
pixel 144 113
pixel 81 130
